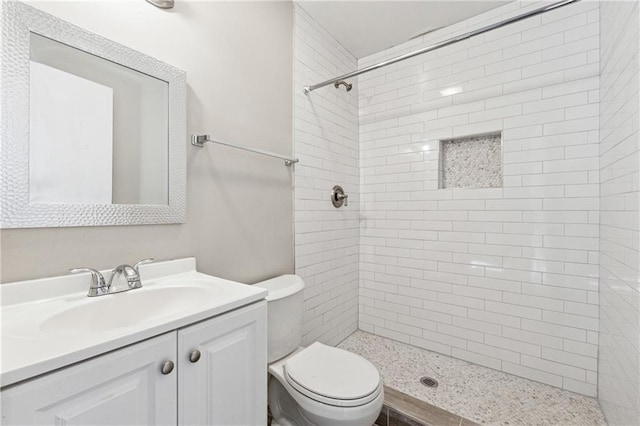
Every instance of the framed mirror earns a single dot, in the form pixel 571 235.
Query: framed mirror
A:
pixel 93 132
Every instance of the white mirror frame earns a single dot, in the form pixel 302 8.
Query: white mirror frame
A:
pixel 18 21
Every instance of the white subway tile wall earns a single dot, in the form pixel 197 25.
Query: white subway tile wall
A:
pixel 503 277
pixel 619 360
pixel 326 141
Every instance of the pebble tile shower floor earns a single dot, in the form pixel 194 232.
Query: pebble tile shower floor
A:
pixel 477 393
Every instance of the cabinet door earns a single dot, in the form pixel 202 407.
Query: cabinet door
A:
pixel 228 384
pixel 124 387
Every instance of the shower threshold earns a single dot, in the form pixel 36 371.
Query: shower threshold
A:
pixel 401 409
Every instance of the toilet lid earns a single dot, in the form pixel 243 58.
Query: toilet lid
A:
pixel 332 373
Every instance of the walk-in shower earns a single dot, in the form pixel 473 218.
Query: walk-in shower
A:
pixel 523 257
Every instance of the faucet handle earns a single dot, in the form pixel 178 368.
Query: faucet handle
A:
pixel 98 285
pixel 142 262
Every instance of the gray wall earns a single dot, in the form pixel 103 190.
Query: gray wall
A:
pixel 238 59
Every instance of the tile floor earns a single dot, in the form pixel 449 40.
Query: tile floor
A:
pixel 477 393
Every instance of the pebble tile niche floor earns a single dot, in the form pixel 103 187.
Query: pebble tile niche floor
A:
pixel 477 393
pixel 471 162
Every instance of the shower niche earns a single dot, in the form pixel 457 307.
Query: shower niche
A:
pixel 471 162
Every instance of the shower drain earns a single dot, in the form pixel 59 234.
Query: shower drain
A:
pixel 429 382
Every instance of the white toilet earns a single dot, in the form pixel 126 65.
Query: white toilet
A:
pixel 318 385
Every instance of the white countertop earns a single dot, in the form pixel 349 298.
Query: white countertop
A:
pixel 29 349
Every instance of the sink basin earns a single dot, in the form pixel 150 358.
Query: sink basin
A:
pixel 126 309
pixel 50 323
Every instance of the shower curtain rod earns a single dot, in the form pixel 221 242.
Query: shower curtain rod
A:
pixel 544 9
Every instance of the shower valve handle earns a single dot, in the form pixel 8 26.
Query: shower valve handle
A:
pixel 339 197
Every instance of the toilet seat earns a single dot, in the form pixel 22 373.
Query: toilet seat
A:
pixel 332 376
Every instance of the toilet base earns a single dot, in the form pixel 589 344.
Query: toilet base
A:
pixel 284 409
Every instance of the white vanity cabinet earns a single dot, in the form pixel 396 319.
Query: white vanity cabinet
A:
pixel 222 364
pixel 124 387
pixel 225 386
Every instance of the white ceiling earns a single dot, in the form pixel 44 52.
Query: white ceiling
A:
pixel 366 27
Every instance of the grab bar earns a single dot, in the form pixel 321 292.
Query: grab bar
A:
pixel 199 140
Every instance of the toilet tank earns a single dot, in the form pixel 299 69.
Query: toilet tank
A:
pixel 285 304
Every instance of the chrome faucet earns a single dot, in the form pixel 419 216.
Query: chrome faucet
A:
pixel 122 274
pixel 98 286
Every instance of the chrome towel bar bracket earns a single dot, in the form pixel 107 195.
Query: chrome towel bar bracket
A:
pixel 200 140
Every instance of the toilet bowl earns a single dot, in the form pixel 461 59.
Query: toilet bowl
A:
pixel 322 385
pixel 317 385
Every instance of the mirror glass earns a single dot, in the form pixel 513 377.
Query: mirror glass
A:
pixel 98 131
